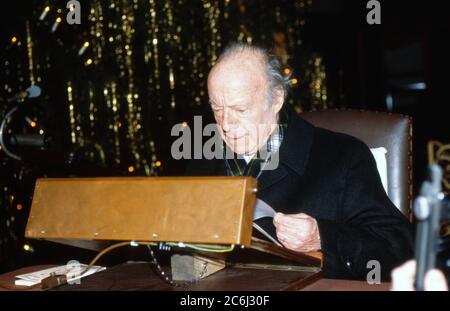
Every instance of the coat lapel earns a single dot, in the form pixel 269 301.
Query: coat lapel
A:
pixel 293 154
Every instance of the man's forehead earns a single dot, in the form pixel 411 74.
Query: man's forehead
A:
pixel 231 99
pixel 234 95
pixel 238 82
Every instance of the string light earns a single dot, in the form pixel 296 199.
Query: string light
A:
pixel 212 13
pixel 153 32
pixel 30 54
pixel 56 24
pixel 92 113
pixel 73 135
pixel 83 48
pixel 32 123
pixel 44 13
pixel 317 76
pixel 113 105
pixel 28 248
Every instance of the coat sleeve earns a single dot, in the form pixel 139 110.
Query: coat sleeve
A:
pixel 368 226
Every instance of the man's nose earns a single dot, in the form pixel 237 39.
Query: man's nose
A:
pixel 227 121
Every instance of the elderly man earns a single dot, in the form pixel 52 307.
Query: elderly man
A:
pixel 326 188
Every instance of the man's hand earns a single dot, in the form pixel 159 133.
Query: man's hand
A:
pixel 403 278
pixel 297 232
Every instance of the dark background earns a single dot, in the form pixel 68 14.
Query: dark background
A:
pixel 401 66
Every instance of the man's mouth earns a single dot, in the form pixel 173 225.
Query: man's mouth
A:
pixel 233 137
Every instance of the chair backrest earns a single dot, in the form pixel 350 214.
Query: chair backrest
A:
pixel 378 129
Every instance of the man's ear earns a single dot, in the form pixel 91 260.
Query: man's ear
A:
pixel 278 100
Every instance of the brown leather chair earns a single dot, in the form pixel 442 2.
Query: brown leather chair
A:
pixel 378 129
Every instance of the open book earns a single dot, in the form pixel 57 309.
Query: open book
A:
pixel 263 222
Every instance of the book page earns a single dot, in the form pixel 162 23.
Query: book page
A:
pixel 262 209
pixel 263 222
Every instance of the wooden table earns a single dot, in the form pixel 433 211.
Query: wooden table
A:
pixel 140 276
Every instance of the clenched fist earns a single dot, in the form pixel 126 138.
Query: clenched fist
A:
pixel 297 232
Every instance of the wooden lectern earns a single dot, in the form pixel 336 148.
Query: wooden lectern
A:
pixel 206 210
pixel 214 210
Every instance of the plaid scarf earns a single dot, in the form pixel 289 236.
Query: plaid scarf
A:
pixel 237 166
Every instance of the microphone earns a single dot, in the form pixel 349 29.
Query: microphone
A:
pixel 31 92
pixel 427 210
pixel 29 140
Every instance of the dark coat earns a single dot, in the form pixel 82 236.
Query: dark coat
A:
pixel 333 177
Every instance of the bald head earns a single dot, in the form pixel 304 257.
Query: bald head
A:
pixel 240 71
pixel 244 94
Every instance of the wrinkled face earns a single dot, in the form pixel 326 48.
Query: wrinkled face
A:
pixel 237 89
